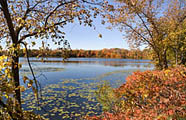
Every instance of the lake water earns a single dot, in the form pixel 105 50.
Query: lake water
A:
pixel 68 89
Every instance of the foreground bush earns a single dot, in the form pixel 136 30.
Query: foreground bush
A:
pixel 150 95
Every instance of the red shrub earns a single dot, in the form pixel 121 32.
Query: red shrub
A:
pixel 151 95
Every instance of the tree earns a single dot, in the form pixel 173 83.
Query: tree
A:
pixel 23 19
pixel 176 33
pixel 150 23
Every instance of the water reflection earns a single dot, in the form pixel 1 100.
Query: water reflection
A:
pixel 102 61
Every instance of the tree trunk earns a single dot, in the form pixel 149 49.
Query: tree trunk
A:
pixel 15 57
pixel 15 73
pixel 165 62
pixel 162 60
pixel 183 59
pixel 159 65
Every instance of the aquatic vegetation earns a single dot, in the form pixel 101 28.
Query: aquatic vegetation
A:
pixel 70 98
pixel 26 70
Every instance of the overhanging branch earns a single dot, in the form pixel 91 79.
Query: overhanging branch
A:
pixel 58 6
pixel 28 60
pixel 46 28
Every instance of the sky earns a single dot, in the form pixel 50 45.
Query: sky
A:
pixel 81 37
pixel 84 37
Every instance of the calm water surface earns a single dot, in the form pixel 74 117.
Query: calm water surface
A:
pixel 68 89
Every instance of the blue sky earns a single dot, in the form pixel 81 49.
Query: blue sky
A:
pixel 81 37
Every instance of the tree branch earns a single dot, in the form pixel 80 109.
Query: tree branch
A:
pixel 24 18
pixel 149 32
pixel 46 28
pixel 28 60
pixel 100 3
pixel 143 22
pixel 28 10
pixel 145 39
pixel 38 4
pixel 151 22
pixel 6 13
pixel 52 12
pixel 145 25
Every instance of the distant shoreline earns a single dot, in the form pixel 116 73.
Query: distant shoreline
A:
pixel 81 58
pixel 76 61
pixel 104 53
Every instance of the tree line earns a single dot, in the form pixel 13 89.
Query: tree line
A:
pixel 103 53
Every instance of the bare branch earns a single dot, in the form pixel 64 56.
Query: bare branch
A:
pixel 28 60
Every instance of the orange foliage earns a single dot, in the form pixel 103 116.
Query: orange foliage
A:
pixel 150 95
pixel 104 53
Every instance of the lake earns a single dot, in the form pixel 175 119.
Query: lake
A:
pixel 68 89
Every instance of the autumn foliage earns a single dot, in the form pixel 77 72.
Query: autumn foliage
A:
pixel 103 53
pixel 150 95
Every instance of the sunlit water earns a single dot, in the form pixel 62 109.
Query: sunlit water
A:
pixel 68 89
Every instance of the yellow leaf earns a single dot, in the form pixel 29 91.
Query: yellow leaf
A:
pixel 33 43
pixel 6 95
pixel 100 35
pixel 25 79
pixel 29 85
pixel 145 95
pixel 22 88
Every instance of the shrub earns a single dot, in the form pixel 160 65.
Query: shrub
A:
pixel 150 95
